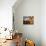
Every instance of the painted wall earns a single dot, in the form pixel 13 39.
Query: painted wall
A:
pixel 43 22
pixel 28 8
pixel 6 13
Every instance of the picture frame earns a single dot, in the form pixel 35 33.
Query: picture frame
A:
pixel 28 20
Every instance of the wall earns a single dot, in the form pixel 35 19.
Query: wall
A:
pixel 6 13
pixel 43 22
pixel 28 8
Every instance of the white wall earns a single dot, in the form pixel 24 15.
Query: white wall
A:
pixel 29 8
pixel 37 31
pixel 6 13
pixel 43 22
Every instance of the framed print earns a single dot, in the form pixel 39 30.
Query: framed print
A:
pixel 29 20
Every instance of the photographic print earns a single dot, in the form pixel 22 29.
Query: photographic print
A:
pixel 28 20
